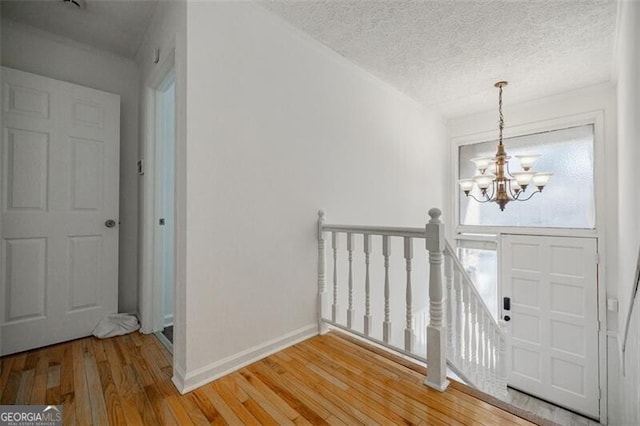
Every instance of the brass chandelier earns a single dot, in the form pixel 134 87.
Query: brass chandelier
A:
pixel 505 185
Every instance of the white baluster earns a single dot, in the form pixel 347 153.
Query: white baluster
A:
pixel 350 312
pixel 409 338
pixel 494 359
pixel 502 360
pixel 467 326
pixel 457 282
pixel 481 344
pixel 386 252
pixel 436 333
pixel 474 335
pixel 448 273
pixel 367 288
pixel 322 285
pixel 334 246
pixel 485 332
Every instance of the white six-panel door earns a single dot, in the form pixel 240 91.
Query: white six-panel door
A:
pixel 553 332
pixel 59 185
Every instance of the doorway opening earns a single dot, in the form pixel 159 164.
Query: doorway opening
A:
pixel 536 266
pixel 164 215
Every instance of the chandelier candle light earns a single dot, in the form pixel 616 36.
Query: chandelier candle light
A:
pixel 505 185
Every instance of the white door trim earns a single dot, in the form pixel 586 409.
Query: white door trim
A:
pixel 160 160
pixel 150 300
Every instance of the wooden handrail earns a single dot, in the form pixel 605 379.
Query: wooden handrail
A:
pixel 391 231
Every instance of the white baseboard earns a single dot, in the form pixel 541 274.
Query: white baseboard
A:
pixel 186 382
pixel 178 379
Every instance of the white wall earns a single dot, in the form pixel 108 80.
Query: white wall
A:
pixel 628 231
pixel 542 113
pixel 277 127
pixel 31 50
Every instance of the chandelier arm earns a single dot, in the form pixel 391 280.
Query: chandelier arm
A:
pixel 528 198
pixel 508 171
pixel 515 195
pixel 489 198
pixel 486 200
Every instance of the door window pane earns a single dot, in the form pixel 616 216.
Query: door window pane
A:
pixel 568 201
pixel 481 264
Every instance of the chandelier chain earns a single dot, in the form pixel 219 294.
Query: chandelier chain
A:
pixel 501 116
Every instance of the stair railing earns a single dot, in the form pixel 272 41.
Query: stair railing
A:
pixel 461 331
pixel 476 346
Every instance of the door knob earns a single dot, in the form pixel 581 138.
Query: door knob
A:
pixel 110 223
pixel 507 318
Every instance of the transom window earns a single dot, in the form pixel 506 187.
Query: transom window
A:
pixel 568 201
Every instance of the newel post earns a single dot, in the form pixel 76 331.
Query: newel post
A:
pixel 436 331
pixel 323 296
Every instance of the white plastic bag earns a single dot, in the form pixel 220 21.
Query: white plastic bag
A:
pixel 116 325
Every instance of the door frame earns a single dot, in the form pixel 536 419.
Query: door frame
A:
pixel 150 293
pixel 597 118
pixel 601 300
pixel 160 258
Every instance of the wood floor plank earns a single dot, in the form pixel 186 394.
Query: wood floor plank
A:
pixel 261 399
pixel 66 370
pixel 378 411
pixel 23 397
pixel 316 415
pixel 329 391
pixel 111 396
pixel 311 399
pixel 178 411
pixel 39 391
pixel 5 369
pixel 53 376
pixel 206 407
pixel 371 389
pixel 273 397
pixel 193 409
pixel 212 393
pixel 68 409
pixel 96 395
pixel 242 405
pixel 99 350
pixel 10 388
pixel 80 386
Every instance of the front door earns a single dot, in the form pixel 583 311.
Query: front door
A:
pixel 59 196
pixel 553 327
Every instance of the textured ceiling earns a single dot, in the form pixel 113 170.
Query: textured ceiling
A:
pixel 111 25
pixel 444 53
pixel 448 54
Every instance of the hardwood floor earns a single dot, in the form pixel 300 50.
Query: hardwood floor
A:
pixel 328 379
